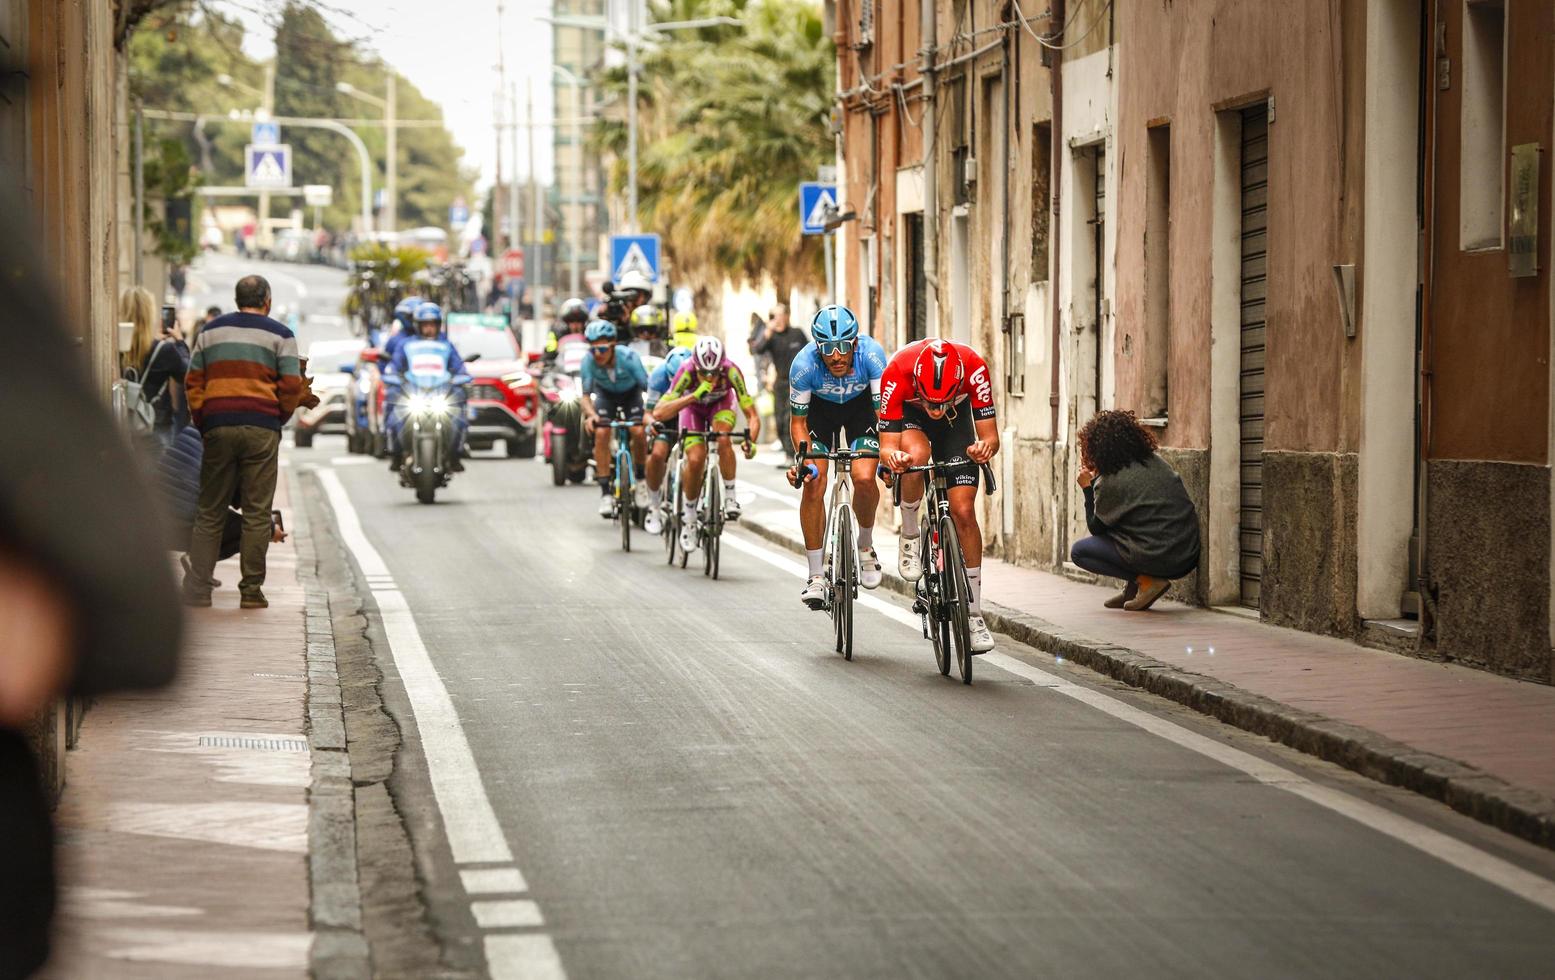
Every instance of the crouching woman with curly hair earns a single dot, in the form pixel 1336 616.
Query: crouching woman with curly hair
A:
pixel 1144 529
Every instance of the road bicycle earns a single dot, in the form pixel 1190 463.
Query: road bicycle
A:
pixel 840 559
pixel 942 590
pixel 672 503
pixel 627 512
pixel 710 522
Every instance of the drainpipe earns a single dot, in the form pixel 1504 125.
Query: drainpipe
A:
pixel 1429 45
pixel 1055 173
pixel 929 31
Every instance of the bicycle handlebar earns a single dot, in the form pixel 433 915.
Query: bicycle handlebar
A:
pixel 715 434
pixel 988 481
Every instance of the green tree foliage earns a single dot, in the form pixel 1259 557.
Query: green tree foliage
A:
pixel 731 120
pixel 180 49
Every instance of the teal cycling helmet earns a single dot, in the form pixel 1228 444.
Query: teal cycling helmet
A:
pixel 600 330
pixel 834 323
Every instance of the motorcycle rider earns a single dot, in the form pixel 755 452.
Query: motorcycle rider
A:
pixel 684 325
pixel 648 331
pixel 428 349
pixel 570 319
pixel 613 380
pixel 405 318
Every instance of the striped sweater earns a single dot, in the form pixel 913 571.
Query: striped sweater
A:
pixel 243 370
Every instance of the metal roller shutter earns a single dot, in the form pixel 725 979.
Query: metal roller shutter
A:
pixel 1255 198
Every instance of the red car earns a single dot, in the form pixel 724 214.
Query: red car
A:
pixel 503 400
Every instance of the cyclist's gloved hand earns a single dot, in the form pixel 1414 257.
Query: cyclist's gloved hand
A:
pixel 750 449
pixel 702 390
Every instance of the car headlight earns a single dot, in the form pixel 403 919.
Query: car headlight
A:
pixel 423 404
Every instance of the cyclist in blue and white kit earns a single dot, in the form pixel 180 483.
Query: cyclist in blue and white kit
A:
pixel 834 388
pixel 613 380
pixel 666 435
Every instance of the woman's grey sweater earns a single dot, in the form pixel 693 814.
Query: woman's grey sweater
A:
pixel 1145 510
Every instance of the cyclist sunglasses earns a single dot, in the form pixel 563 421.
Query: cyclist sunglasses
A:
pixel 829 347
pixel 602 348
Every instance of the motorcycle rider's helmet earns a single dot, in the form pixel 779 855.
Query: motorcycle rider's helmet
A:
pixel 685 327
pixel 708 354
pixel 405 311
pixel 600 330
pixel 832 324
pixel 429 312
pixel 938 372
pixel 634 281
pixel 573 310
pixel 648 322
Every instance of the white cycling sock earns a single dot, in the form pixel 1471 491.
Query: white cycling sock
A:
pixel 654 497
pixel 974 585
pixel 866 537
pixel 729 488
pixel 910 518
pixel 689 511
pixel 815 560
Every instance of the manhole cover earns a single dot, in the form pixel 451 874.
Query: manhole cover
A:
pixel 250 742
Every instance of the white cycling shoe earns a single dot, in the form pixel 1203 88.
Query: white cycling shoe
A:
pixel 869 573
pixel 607 507
pixel 909 562
pixel 982 639
pixel 652 523
pixel 814 592
pixel 731 509
pixel 640 495
pixel 688 537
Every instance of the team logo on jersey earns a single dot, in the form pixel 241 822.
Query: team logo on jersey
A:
pixel 981 382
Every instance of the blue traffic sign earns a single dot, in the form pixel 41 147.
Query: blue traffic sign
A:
pixel 265 134
pixel 817 205
pixel 458 215
pixel 267 167
pixel 634 253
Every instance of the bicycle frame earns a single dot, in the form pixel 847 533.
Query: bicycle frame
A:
pixel 840 496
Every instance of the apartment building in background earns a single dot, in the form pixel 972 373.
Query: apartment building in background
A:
pixel 1308 243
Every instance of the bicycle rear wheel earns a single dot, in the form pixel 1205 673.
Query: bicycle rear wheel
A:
pixel 956 597
pixel 842 587
pixel 672 522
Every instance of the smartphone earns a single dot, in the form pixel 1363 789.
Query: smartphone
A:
pixel 169 318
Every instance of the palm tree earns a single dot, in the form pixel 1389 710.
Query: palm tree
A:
pixel 730 121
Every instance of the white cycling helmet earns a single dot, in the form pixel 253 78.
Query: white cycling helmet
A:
pixel 708 354
pixel 634 280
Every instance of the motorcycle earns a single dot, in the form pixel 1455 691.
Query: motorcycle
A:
pixel 432 403
pixel 561 432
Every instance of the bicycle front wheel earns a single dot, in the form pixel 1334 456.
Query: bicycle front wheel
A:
pixel 712 512
pixel 955 597
pixel 842 587
pixel 624 499
pixel 933 600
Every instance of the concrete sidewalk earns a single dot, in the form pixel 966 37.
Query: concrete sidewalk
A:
pixel 183 827
pixel 1482 743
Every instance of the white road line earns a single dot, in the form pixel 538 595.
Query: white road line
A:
pixel 493 881
pixel 1465 857
pixel 473 831
pixel 791 499
pixel 523 956
pixel 506 913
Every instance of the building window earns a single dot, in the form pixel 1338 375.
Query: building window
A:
pixel 1041 197
pixel 1155 346
pixel 915 323
pixel 1481 138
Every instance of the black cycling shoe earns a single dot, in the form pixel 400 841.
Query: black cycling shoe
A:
pixel 396 461
pixel 457 466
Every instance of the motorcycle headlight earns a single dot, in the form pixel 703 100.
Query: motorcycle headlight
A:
pixel 568 395
pixel 423 404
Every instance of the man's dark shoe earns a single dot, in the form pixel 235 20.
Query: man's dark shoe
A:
pixel 189 570
pixel 457 466
pixel 395 462
pixel 251 600
pixel 196 600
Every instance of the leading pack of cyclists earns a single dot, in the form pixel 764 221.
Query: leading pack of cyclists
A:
pixel 931 400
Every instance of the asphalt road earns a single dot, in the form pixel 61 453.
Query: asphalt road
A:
pixel 693 784
pixel 307 297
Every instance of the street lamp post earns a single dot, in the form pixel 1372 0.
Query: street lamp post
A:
pixel 391 143
pixel 574 231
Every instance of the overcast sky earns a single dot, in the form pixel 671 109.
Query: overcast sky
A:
pixel 448 49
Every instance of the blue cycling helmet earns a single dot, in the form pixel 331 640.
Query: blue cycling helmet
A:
pixel 405 311
pixel 600 330
pixel 429 311
pixel 832 323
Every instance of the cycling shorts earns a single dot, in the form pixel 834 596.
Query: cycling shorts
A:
pixel 700 416
pixel 855 419
pixel 608 403
pixel 949 438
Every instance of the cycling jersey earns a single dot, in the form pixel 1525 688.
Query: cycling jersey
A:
pixel 659 381
pixel 897 391
pixel 809 377
pixel 624 373
pixel 730 381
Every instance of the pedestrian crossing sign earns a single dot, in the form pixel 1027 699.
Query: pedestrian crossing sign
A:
pixel 634 253
pixel 817 205
pixel 268 167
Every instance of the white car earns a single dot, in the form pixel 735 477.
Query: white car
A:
pixel 330 365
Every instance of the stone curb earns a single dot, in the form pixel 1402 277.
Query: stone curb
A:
pixel 1486 798
pixel 339 946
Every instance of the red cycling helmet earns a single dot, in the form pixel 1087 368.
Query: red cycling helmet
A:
pixel 938 372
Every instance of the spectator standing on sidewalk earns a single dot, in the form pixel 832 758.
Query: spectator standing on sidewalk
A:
pixel 1144 529
pixel 159 358
pixel 86 604
pixel 782 342
pixel 244 382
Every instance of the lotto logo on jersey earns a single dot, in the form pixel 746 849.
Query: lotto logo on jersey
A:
pixel 982 387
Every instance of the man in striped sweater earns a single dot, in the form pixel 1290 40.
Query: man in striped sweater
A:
pixel 244 382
